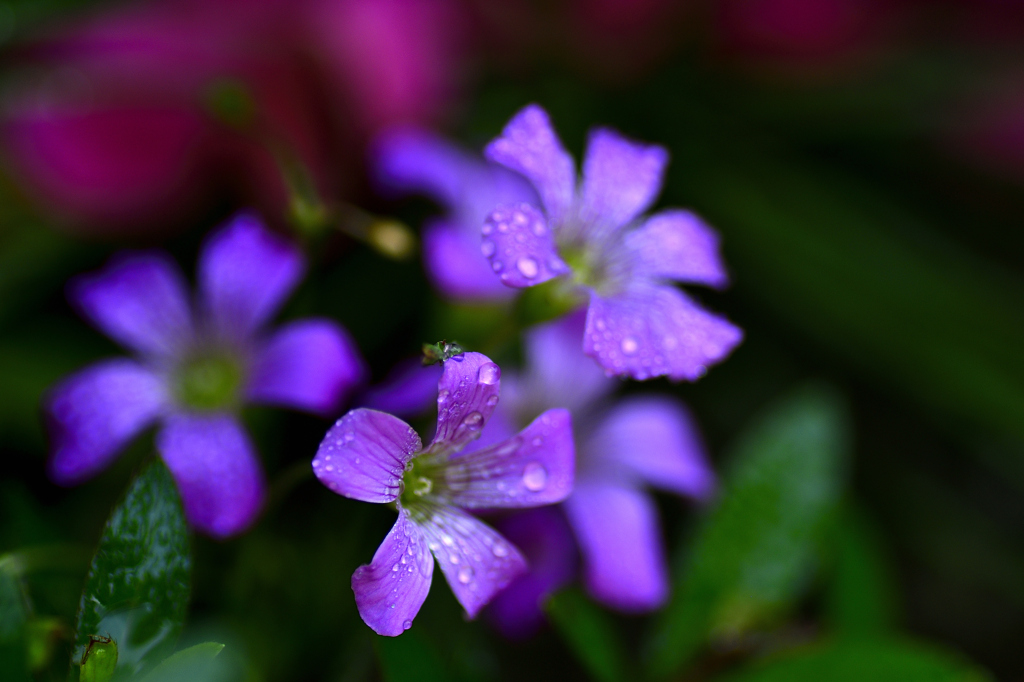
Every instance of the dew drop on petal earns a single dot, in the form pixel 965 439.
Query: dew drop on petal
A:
pixel 487 248
pixel 394 569
pixel 499 550
pixel 406 625
pixel 629 345
pixel 497 266
pixel 473 420
pixel 465 575
pixel 527 267
pixel 447 541
pixel 535 476
pixel 489 374
pixel 442 395
pixel 538 228
pixel 492 401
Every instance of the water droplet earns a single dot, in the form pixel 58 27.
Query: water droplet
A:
pixel 465 575
pixel 497 266
pixel 487 248
pixel 527 267
pixel 442 396
pixel 447 541
pixel 473 420
pixel 394 569
pixel 537 442
pixel 629 345
pixel 489 374
pixel 454 559
pixel 520 218
pixel 411 550
pixel 358 460
pixel 486 229
pixel 329 467
pixel 502 227
pixel 492 401
pixel 538 228
pixel 406 625
pixel 348 437
pixel 535 476
pixel 499 550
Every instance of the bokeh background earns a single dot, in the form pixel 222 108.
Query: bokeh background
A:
pixel 863 161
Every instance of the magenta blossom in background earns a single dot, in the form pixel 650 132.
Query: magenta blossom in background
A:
pixel 195 367
pixel 375 457
pixel 595 238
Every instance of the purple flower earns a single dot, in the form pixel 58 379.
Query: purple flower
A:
pixel 595 239
pixel 375 457
pixel 195 368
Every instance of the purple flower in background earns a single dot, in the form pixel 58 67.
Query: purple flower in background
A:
pixel 375 457
pixel 638 323
pixel 195 367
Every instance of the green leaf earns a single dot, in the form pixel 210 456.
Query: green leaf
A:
pixel 194 664
pixel 862 592
pixel 589 633
pixel 409 658
pixel 138 585
pixel 860 660
pixel 99 661
pixel 756 549
pixel 13 619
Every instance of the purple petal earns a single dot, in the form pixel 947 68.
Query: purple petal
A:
pixel 656 331
pixel 455 265
pixel 620 540
pixel 139 300
pixel 655 439
pixel 621 178
pixel 310 365
pixel 547 542
pixel 245 273
pixel 363 456
pixel 467 395
pixel 529 146
pixel 216 469
pixel 534 468
pixel 94 412
pixel 519 246
pixel 477 562
pixel 408 390
pixel 391 589
pixel 679 245
pixel 499 428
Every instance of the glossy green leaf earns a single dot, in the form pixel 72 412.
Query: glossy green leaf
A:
pixel 194 664
pixel 862 592
pixel 756 549
pixel 139 582
pixel 99 662
pixel 590 634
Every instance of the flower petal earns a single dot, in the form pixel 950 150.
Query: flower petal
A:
pixel 309 365
pixel 654 331
pixel 245 273
pixel 679 245
pixel 529 145
pixel 139 300
pixel 391 589
pixel 467 395
pixel 95 411
pixel 408 390
pixel 655 439
pixel 620 540
pixel 519 246
pixel 363 456
pixel 534 468
pixel 216 469
pixel 477 562
pixel 455 265
pixel 621 179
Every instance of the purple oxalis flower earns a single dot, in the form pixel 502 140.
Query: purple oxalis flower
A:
pixel 195 367
pixel 376 457
pixel 595 238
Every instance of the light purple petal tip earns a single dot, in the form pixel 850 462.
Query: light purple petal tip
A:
pixel 621 178
pixel 95 411
pixel 520 248
pixel 139 300
pixel 656 331
pixel 477 562
pixel 654 439
pixel 467 395
pixel 529 146
pixel 408 390
pixel 363 456
pixel 620 540
pixel 558 369
pixel 533 468
pixel 309 365
pixel 245 273
pixel 679 245
pixel 216 470
pixel 391 589
pixel 455 265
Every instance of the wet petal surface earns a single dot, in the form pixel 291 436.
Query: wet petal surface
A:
pixel 519 246
pixel 621 179
pixel 467 395
pixel 679 245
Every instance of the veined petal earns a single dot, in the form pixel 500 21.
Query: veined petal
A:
pixel 309 365
pixel 529 146
pixel 216 469
pixel 519 246
pixel 455 265
pixel 139 300
pixel 391 589
pixel 466 396
pixel 621 178
pixel 95 411
pixel 534 468
pixel 654 439
pixel 476 561
pixel 363 456
pixel 654 331
pixel 679 245
pixel 620 540
pixel 245 273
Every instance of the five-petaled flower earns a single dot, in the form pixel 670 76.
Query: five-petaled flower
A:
pixel 638 323
pixel 376 457
pixel 194 368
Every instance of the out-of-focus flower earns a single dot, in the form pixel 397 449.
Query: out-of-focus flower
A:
pixel 595 239
pixel 375 457
pixel 196 367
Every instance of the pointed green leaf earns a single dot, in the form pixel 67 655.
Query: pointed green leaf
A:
pixel 138 585
pixel 862 592
pixel 194 664
pixel 590 634
pixel 754 552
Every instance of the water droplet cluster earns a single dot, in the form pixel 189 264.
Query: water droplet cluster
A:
pixel 517 242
